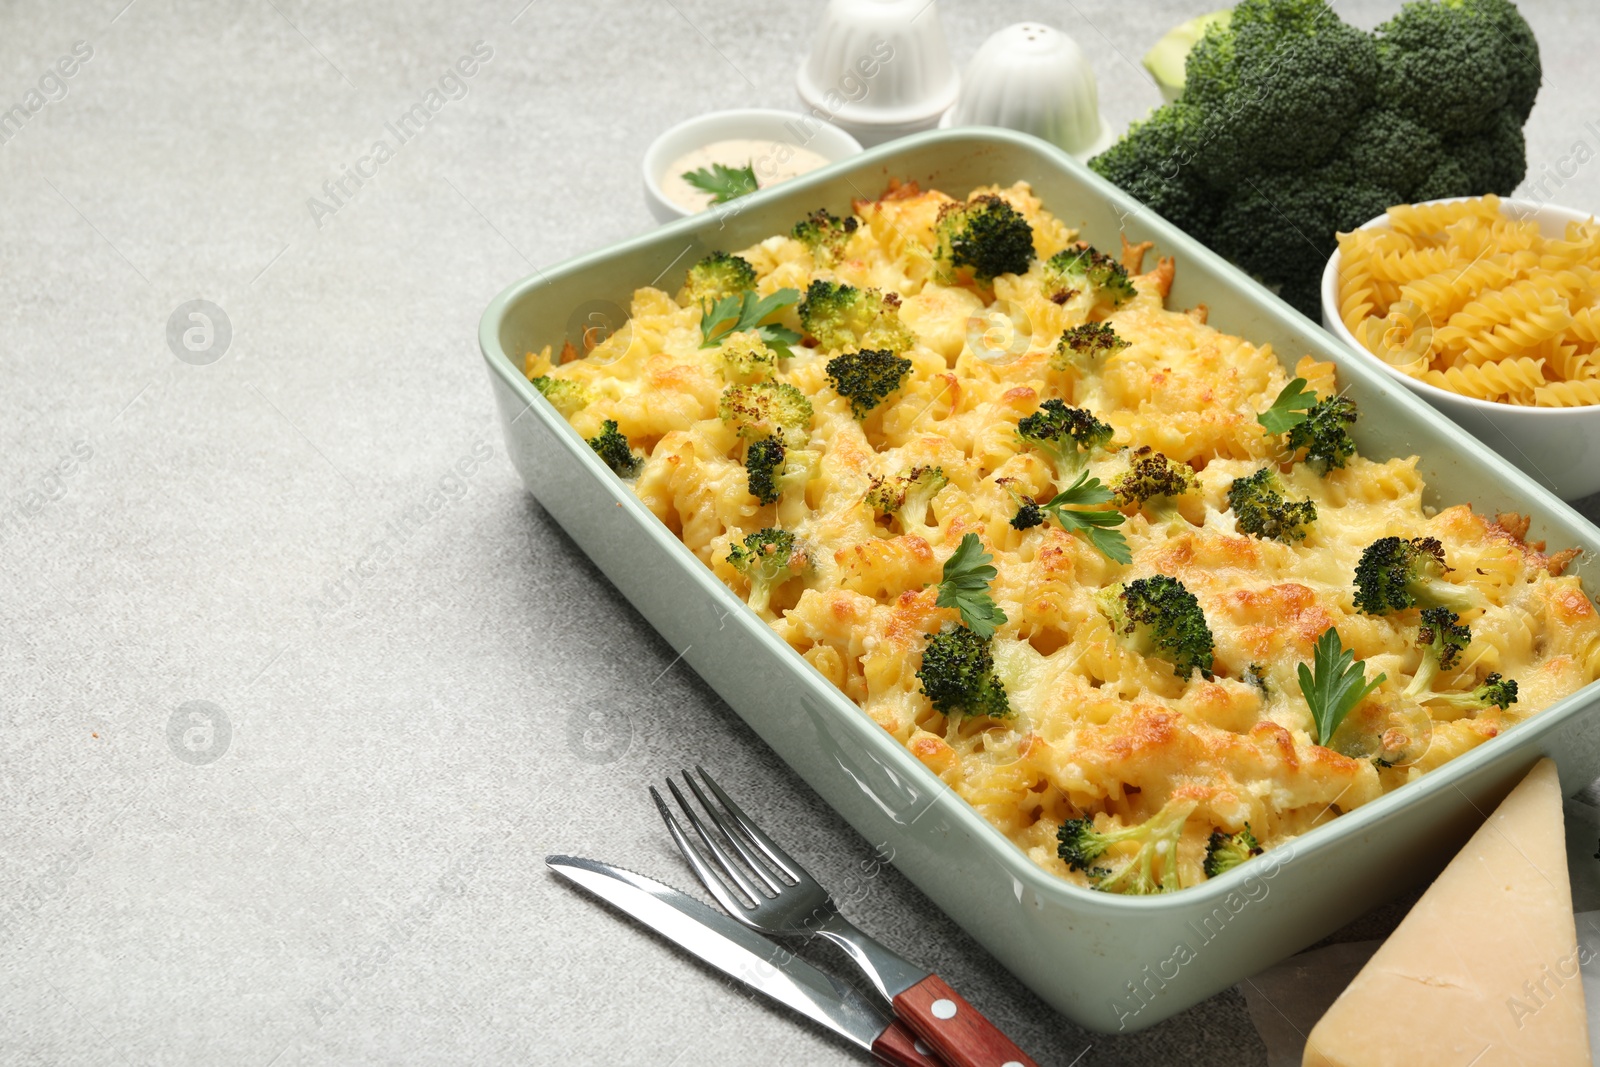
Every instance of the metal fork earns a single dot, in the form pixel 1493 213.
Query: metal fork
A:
pixel 788 902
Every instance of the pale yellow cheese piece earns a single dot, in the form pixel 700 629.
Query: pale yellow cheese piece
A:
pixel 1484 970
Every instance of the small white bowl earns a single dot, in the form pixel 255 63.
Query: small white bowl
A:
pixel 780 129
pixel 1034 78
pixel 879 68
pixel 1557 447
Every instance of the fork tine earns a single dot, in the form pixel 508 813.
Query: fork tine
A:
pixel 769 847
pixel 736 839
pixel 730 869
pixel 708 878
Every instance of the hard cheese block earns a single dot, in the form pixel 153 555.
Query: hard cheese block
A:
pixel 1484 970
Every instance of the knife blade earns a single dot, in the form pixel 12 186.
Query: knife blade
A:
pixel 747 957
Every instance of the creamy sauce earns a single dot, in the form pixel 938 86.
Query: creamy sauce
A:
pixel 773 162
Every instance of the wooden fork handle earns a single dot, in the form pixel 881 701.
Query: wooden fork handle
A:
pixel 899 1047
pixel 954 1029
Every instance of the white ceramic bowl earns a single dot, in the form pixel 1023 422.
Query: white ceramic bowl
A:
pixel 780 129
pixel 1034 78
pixel 1557 447
pixel 879 68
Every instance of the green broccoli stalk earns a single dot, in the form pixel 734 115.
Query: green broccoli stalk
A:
pixel 985 234
pixel 839 317
pixel 1082 269
pixel 906 496
pixel 1224 852
pixel 743 358
pixel 1325 433
pixel 825 235
pixel 867 377
pixel 1079 845
pixel 957 675
pixel 767 409
pixel 613 449
pixel 767 558
pixel 1395 573
pixel 719 275
pixel 1158 616
pixel 1086 348
pixel 1067 437
pixel 1495 692
pixel 1442 639
pixel 566 395
pixel 1153 482
pixel 1260 510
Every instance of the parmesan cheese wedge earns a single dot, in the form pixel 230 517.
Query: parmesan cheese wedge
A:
pixel 1484 970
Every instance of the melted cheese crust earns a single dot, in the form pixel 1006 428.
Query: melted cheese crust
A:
pixel 1099 731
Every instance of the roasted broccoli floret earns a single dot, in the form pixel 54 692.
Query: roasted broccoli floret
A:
pixel 567 395
pixel 1067 436
pixel 767 558
pixel 839 316
pixel 957 675
pixel 1084 348
pixel 906 495
pixel 613 448
pixel 1029 514
pixel 1152 482
pixel 1260 510
pixel 1082 268
pixel 767 409
pixel 1395 573
pixel 985 234
pixel 865 378
pixel 1325 433
pixel 1224 852
pixel 1495 692
pixel 1157 616
pixel 743 357
pixel 1442 639
pixel 1152 869
pixel 763 464
pixel 825 234
pixel 718 275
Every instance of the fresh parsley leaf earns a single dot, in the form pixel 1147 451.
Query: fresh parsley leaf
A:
pixel 724 183
pixel 1095 524
pixel 967 574
pixel 1289 410
pixel 743 311
pixel 1334 684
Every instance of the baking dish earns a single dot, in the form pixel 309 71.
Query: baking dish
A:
pixel 1108 962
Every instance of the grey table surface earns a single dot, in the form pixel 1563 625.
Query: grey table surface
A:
pixel 311 544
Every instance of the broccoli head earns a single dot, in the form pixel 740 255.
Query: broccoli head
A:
pixel 825 234
pixel 763 464
pixel 744 357
pixel 906 495
pixel 1081 268
pixel 1325 433
pixel 567 395
pixel 767 409
pixel 866 377
pixel 1079 845
pixel 1157 616
pixel 839 316
pixel 1224 852
pixel 767 558
pixel 1029 514
pixel 1442 639
pixel 985 234
pixel 957 675
pixel 1495 692
pixel 1152 480
pixel 1493 161
pixel 1066 435
pixel 1084 348
pixel 1456 64
pixel 1156 163
pixel 1395 573
pixel 613 448
pixel 719 275
pixel 1260 510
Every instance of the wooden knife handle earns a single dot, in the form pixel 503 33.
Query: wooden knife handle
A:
pixel 899 1047
pixel 954 1029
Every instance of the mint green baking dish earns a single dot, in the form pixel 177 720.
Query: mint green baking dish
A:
pixel 1108 962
